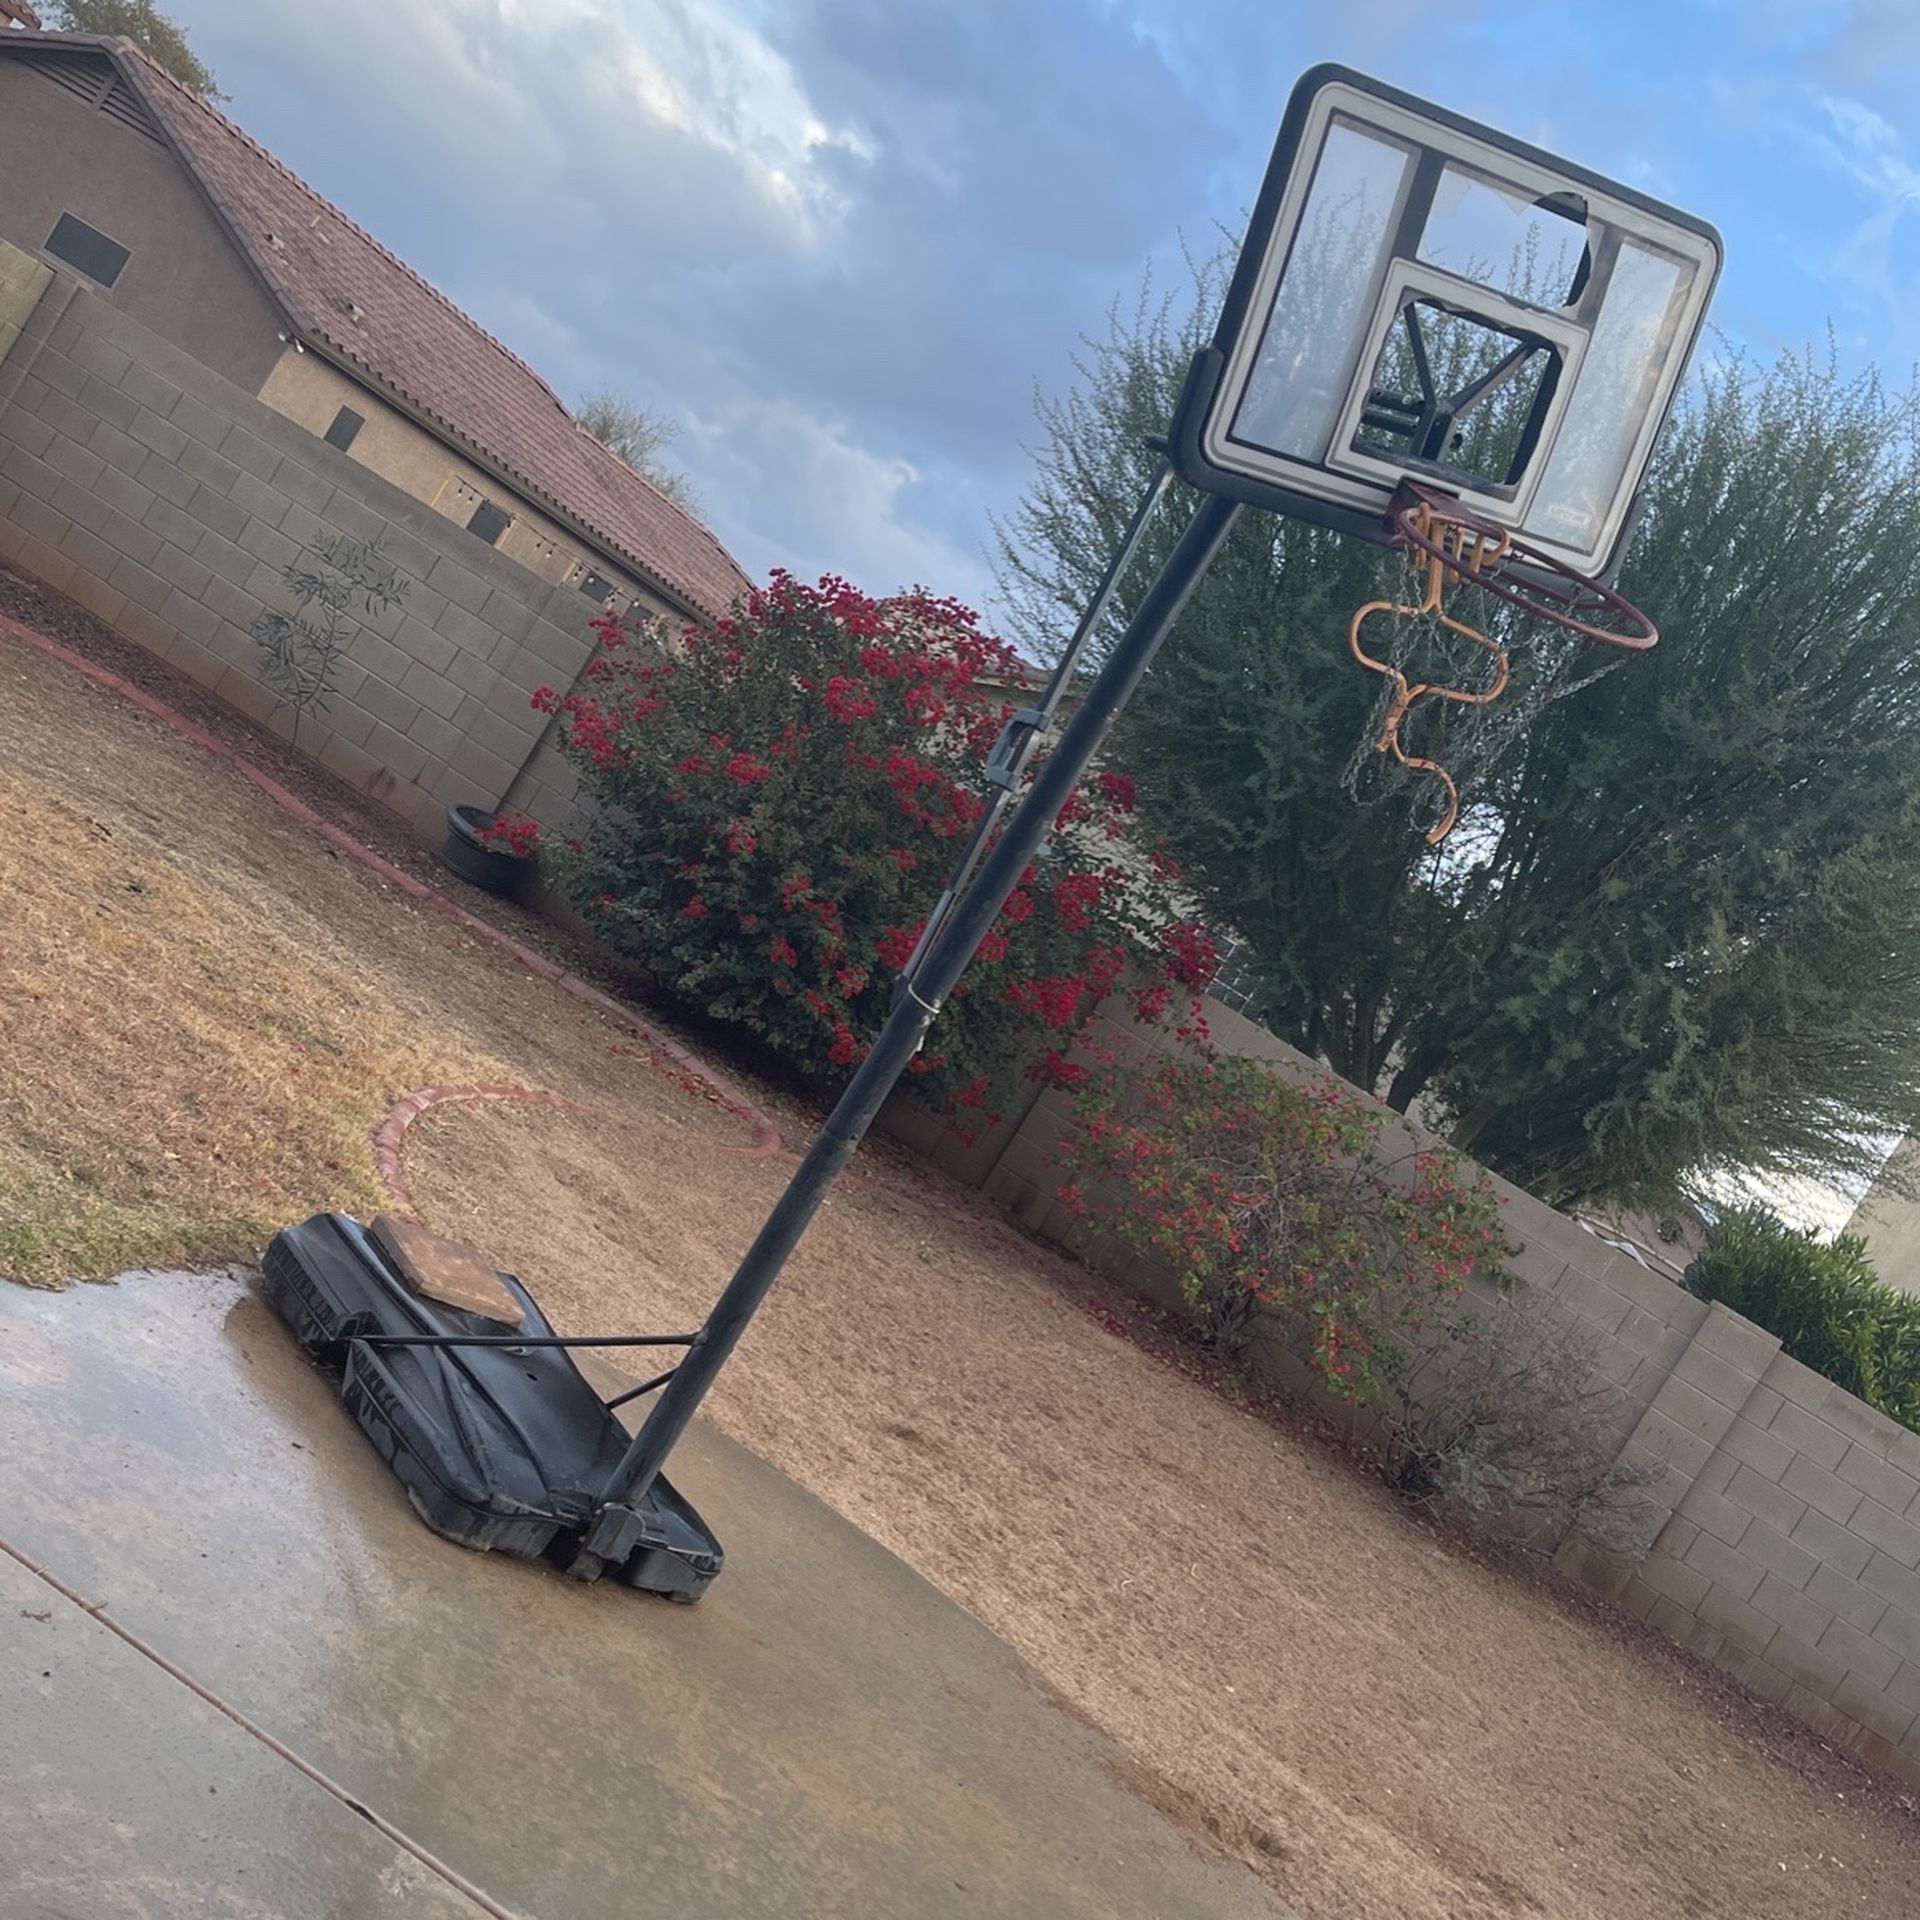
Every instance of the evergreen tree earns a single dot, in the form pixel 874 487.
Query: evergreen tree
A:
pixel 1679 927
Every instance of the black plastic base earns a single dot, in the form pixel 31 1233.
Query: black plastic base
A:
pixel 502 1448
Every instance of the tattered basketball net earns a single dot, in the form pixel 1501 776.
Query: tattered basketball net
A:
pixel 1447 544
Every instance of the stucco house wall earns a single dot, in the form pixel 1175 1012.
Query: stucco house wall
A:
pixel 1888 1219
pixel 310 389
pixel 60 155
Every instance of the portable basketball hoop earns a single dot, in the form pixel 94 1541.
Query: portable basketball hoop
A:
pixel 1449 342
pixel 1437 339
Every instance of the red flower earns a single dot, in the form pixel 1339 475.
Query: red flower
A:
pixel 1105 965
pixel 896 948
pixel 1191 952
pixel 924 706
pixel 745 770
pixel 512 832
pixel 1076 898
pixel 1053 1002
pixel 1117 789
pixel 1151 1002
pixel 848 700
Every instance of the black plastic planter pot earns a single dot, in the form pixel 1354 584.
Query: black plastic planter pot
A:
pixel 492 869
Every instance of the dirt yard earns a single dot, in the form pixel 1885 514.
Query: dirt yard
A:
pixel 1379 1724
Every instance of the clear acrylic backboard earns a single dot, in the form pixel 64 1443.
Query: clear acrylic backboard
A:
pixel 1423 298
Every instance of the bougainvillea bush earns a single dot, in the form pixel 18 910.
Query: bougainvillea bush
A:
pixel 776 804
pixel 1274 1207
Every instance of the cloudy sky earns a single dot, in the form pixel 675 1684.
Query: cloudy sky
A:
pixel 840 241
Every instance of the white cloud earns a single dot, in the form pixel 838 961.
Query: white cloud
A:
pixel 1864 148
pixel 609 99
pixel 832 238
pixel 704 73
pixel 1870 149
pixel 797 487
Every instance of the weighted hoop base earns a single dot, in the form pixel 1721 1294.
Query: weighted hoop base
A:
pixel 499 1441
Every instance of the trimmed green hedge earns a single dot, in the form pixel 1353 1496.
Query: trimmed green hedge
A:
pixel 1833 1313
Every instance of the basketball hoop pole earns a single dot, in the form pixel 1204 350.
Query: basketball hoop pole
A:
pixel 616 1526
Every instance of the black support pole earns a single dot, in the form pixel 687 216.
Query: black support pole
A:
pixel 906 1028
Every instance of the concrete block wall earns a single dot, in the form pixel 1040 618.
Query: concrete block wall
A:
pixel 1781 1531
pixel 548 786
pixel 23 280
pixel 1792 1559
pixel 1637 1323
pixel 167 501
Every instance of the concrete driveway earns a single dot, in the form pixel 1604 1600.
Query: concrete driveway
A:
pixel 329 1713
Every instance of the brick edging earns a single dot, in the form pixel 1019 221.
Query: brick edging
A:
pixel 389 1135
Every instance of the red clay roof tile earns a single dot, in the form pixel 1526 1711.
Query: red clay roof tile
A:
pixel 349 296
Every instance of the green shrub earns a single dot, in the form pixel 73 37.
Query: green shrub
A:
pixel 1832 1312
pixel 775 804
pixel 1273 1207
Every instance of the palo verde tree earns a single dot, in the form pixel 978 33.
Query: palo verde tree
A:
pixel 147 27
pixel 639 436
pixel 1679 928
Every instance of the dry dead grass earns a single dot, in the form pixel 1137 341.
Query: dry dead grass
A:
pixel 1382 1728
pixel 176 1070
pixel 1379 1725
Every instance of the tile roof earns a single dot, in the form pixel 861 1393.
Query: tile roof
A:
pixel 353 300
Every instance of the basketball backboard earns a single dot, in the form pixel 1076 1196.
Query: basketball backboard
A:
pixel 1423 298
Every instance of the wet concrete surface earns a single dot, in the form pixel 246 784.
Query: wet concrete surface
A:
pixel 126 1797
pixel 824 1735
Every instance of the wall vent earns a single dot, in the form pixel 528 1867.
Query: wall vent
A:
pixel 93 78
